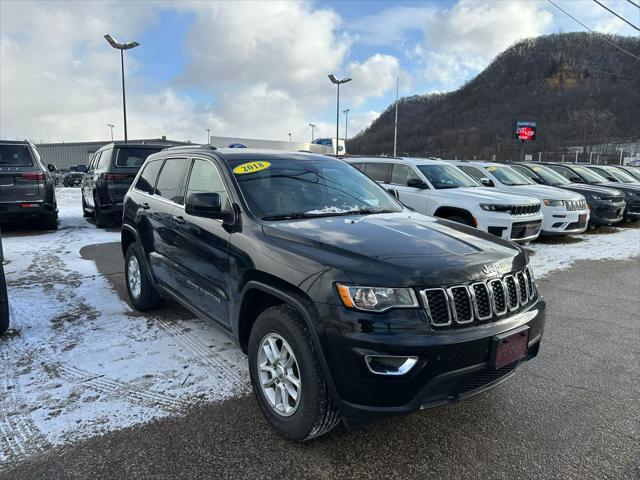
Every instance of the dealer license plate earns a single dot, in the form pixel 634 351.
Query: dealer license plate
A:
pixel 509 347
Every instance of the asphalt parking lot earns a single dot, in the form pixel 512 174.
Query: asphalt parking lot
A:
pixel 574 412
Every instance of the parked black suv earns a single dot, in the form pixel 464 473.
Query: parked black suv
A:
pixel 109 176
pixel 606 205
pixel 582 174
pixel 27 185
pixel 348 304
pixel 74 176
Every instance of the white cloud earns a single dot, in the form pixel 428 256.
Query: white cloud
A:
pixel 391 26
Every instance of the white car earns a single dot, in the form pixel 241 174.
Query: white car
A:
pixel 436 188
pixel 564 212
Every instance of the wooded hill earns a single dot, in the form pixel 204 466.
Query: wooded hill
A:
pixel 579 89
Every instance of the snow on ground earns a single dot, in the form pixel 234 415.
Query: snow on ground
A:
pixel 79 362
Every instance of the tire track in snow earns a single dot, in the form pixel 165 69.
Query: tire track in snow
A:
pixel 226 371
pixel 20 437
pixel 122 390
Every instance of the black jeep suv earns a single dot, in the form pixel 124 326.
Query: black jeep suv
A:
pixel 583 174
pixel 110 173
pixel 347 303
pixel 27 185
pixel 606 205
pixel 74 176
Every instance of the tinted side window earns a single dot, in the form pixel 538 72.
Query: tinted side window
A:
pixel 15 156
pixel 206 179
pixel 473 172
pixel 378 171
pixel 564 171
pixel 401 174
pixel 524 171
pixel 147 179
pixel 170 181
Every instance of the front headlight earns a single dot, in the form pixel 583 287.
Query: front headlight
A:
pixel 634 194
pixel 493 207
pixel 376 299
pixel 553 203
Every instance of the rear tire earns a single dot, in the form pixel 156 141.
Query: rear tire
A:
pixel 85 213
pixel 4 303
pixel 102 221
pixel 49 221
pixel 142 293
pixel 315 412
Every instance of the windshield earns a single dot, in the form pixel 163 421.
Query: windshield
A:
pixel 15 156
pixel 286 188
pixel 81 169
pixel 508 176
pixel 621 176
pixel 446 176
pixel 589 175
pixel 549 176
pixel 133 157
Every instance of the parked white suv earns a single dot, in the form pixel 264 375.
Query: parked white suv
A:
pixel 564 212
pixel 436 188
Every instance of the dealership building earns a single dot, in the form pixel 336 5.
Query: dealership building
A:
pixel 64 154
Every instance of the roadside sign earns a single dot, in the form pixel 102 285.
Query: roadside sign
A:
pixel 525 131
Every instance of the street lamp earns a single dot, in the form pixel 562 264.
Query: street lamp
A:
pixel 346 125
pixel 110 125
pixel 312 127
pixel 289 136
pixel 122 47
pixel 208 137
pixel 337 82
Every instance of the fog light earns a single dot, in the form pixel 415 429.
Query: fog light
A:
pixel 389 365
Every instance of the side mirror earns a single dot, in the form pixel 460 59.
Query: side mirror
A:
pixel 487 182
pixel 206 205
pixel 394 193
pixel 51 167
pixel 416 183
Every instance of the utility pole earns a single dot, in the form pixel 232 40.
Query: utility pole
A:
pixel 289 136
pixel 590 157
pixel 208 137
pixel 539 157
pixel 110 125
pixel 576 157
pixel 346 125
pixel 395 128
pixel 621 151
pixel 312 127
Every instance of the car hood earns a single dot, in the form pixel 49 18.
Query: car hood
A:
pixel 625 187
pixel 487 195
pixel 544 192
pixel 595 189
pixel 404 248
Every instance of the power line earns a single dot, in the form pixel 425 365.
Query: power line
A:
pixel 619 16
pixel 593 31
pixel 633 3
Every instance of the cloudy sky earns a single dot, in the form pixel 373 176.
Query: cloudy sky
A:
pixel 250 69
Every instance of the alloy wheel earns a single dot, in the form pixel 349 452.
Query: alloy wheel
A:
pixel 279 374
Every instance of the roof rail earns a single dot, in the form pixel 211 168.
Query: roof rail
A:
pixel 191 147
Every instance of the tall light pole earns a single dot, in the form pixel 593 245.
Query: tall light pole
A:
pixel 312 127
pixel 110 125
pixel 346 125
pixel 208 136
pixel 395 128
pixel 122 47
pixel 337 82
pixel 289 136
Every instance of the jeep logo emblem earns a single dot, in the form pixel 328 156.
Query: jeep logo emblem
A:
pixel 489 269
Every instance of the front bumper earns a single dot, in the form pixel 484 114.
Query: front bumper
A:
pixel 559 221
pixel 633 209
pixel 605 212
pixel 452 364
pixel 518 228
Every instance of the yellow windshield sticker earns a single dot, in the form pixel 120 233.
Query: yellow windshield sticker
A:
pixel 536 169
pixel 492 169
pixel 251 167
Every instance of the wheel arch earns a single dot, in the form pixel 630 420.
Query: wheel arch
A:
pixel 449 211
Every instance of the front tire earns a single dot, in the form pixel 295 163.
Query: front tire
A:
pixel 287 378
pixel 142 293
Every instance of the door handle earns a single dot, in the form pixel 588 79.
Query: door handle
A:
pixel 145 206
pixel 179 220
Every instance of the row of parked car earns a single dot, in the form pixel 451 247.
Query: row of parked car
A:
pixel 350 304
